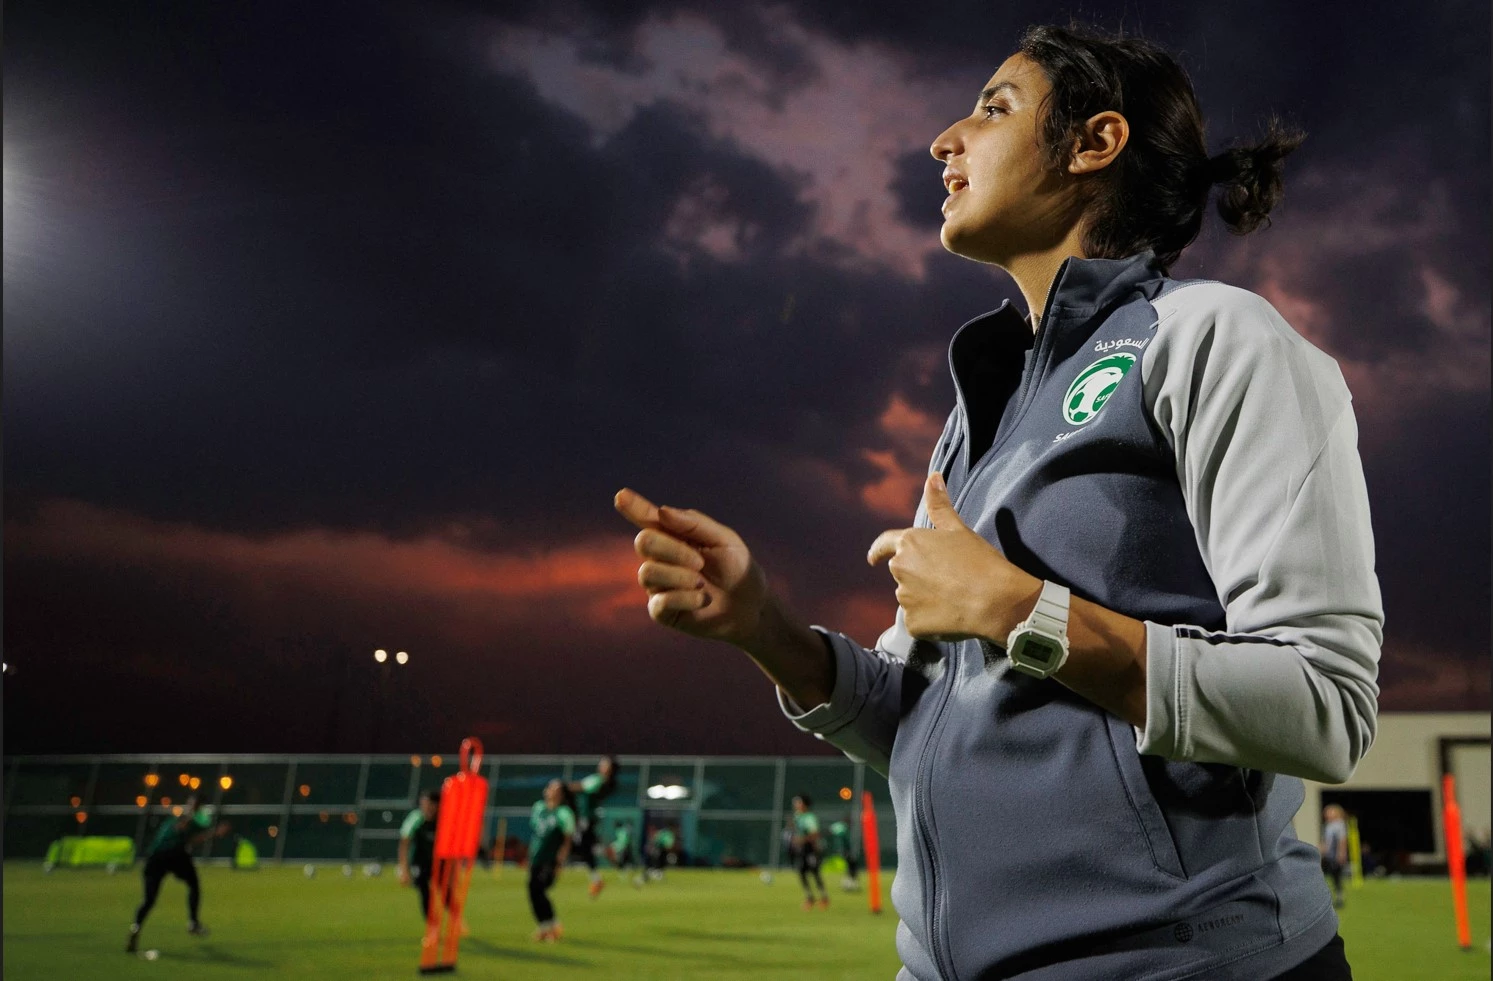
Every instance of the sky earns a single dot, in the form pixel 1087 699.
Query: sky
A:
pixel 333 327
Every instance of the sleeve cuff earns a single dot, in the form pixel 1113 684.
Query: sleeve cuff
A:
pixel 1166 715
pixel 829 717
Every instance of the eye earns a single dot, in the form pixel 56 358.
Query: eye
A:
pixel 990 109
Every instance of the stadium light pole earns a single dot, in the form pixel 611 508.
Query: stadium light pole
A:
pixel 341 677
pixel 386 665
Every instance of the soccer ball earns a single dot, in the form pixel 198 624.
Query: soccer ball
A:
pixel 310 871
pixel 766 878
pixel 151 955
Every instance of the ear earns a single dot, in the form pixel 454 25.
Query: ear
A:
pixel 1099 143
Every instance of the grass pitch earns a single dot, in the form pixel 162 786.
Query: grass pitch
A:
pixel 698 924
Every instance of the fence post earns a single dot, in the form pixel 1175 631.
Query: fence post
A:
pixel 775 846
pixel 285 812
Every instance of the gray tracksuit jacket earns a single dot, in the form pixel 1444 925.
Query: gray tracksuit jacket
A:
pixel 1174 451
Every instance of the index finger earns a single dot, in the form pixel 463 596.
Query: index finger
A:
pixel 636 508
pixel 885 545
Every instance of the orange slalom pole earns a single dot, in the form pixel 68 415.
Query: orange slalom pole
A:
pixel 871 847
pixel 1452 816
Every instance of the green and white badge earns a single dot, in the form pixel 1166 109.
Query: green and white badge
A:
pixel 1093 387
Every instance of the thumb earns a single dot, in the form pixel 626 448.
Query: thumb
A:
pixel 940 509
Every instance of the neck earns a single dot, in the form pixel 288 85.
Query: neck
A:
pixel 1034 272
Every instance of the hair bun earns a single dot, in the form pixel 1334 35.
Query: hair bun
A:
pixel 1223 167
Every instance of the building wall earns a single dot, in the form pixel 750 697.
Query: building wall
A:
pixel 1406 755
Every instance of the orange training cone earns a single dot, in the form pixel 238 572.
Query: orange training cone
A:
pixel 871 847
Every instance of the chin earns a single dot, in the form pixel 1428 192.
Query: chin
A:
pixel 963 244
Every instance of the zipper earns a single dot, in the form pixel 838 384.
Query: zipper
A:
pixel 922 798
pixel 925 820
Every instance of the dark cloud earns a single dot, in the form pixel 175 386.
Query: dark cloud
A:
pixel 918 191
pixel 356 278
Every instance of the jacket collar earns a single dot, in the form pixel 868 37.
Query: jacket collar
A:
pixel 1081 288
pixel 1084 286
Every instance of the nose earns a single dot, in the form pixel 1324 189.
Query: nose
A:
pixel 946 145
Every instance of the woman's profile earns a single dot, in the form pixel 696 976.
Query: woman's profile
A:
pixel 1137 603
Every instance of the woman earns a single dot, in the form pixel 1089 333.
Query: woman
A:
pixel 806 842
pixel 417 847
pixel 170 853
pixel 551 825
pixel 588 793
pixel 1138 603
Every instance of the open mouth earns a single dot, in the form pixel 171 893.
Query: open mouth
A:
pixel 955 184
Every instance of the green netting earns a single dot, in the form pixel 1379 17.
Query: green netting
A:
pixel 79 850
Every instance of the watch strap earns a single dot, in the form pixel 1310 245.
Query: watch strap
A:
pixel 1050 615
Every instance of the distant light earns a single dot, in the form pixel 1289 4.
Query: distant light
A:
pixel 184 779
pixel 380 655
pixel 76 801
pixel 176 811
pixel 165 801
pixel 274 831
pixel 195 782
pixel 4 666
pixel 435 761
pixel 414 761
pixel 226 782
pixel 151 779
pixel 305 789
pixel 402 657
pixel 350 818
pixel 81 816
pixel 845 793
pixel 671 791
pixel 141 801
pixel 324 817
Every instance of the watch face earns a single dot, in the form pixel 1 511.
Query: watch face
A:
pixel 1036 650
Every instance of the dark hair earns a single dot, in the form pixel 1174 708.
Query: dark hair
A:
pixel 1155 192
pixel 805 799
pixel 433 795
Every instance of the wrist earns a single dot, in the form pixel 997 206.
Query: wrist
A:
pixel 793 656
pixel 762 638
pixel 1010 607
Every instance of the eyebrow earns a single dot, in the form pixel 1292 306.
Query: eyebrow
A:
pixel 998 87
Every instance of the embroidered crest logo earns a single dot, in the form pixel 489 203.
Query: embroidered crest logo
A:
pixel 1093 387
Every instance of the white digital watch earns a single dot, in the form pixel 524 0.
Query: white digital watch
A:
pixel 1039 644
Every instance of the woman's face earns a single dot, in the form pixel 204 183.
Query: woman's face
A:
pixel 553 793
pixel 1004 200
pixel 604 767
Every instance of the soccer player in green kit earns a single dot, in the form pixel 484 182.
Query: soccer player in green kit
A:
pixel 552 823
pixel 658 851
pixel 169 854
pixel 806 839
pixel 620 850
pixel 417 847
pixel 839 843
pixel 588 793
